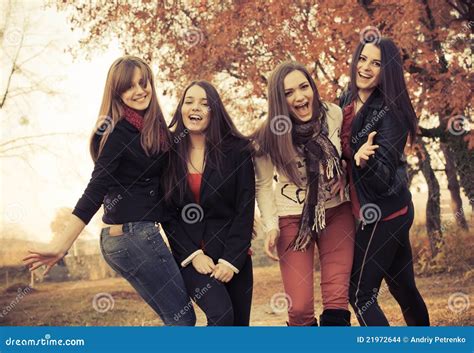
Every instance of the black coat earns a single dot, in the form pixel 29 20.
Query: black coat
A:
pixel 125 180
pixel 222 224
pixel 384 180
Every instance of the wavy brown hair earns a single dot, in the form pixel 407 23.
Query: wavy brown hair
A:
pixel 279 146
pixel 155 135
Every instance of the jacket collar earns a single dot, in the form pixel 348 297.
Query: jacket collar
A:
pixel 375 100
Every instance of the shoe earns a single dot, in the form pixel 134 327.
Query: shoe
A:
pixel 335 317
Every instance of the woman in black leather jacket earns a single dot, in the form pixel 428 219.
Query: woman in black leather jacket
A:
pixel 378 120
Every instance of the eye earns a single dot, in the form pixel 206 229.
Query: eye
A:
pixel 288 93
pixel 361 58
pixel 305 86
pixel 376 64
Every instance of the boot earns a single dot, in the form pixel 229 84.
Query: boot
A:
pixel 335 317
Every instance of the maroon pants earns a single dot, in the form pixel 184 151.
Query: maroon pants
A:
pixel 336 250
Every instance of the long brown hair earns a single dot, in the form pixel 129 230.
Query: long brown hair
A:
pixel 221 134
pixel 155 136
pixel 270 138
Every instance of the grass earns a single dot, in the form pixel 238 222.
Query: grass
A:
pixel 71 303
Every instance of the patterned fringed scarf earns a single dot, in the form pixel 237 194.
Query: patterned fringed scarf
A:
pixel 322 165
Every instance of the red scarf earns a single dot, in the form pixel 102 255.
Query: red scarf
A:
pixel 133 117
pixel 136 119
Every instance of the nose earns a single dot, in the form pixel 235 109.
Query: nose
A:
pixel 366 65
pixel 195 107
pixel 139 90
pixel 298 96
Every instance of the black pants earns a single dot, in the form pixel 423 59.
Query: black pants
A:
pixel 225 304
pixel 383 251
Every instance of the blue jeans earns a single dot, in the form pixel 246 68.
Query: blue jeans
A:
pixel 141 256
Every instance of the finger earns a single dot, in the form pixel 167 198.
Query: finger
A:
pixel 271 254
pixel 31 256
pixel 341 194
pixel 34 267
pixel 365 157
pixel 268 252
pixel 210 268
pixel 370 139
pixel 48 268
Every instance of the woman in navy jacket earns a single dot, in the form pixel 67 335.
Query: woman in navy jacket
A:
pixel 128 147
pixel 210 189
pixel 378 120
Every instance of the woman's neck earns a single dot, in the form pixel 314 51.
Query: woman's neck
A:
pixel 364 94
pixel 198 141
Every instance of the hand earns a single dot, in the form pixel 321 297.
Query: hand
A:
pixel 40 256
pixel 270 244
pixel 339 185
pixel 203 264
pixel 366 150
pixel 223 273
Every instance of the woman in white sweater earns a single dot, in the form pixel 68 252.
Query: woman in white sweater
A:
pixel 302 196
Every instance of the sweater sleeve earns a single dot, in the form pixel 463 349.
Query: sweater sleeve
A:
pixel 265 193
pixel 102 177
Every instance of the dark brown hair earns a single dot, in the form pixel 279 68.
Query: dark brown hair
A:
pixel 221 134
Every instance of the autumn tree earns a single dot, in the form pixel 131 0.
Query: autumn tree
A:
pixel 237 43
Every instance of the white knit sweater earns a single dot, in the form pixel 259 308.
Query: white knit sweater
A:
pixel 276 195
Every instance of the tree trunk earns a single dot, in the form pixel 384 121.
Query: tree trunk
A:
pixel 454 189
pixel 433 211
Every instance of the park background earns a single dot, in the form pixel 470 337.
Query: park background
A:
pixel 54 59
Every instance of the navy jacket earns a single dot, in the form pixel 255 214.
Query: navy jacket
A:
pixel 222 224
pixel 384 180
pixel 125 180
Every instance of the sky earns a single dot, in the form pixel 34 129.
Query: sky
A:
pixel 39 180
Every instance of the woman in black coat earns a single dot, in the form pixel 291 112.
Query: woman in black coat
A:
pixel 210 192
pixel 378 120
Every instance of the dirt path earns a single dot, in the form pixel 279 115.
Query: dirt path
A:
pixel 71 303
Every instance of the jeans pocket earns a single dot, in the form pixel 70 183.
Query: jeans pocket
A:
pixel 155 239
pixel 121 259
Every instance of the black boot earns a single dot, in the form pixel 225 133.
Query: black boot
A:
pixel 335 317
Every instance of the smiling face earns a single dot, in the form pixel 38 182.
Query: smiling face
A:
pixel 368 68
pixel 195 110
pixel 299 95
pixel 138 96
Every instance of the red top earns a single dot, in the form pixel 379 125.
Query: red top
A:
pixel 348 118
pixel 194 180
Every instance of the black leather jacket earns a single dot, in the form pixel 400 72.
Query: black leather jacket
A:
pixel 383 181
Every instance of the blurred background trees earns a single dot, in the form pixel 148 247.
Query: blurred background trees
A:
pixel 235 44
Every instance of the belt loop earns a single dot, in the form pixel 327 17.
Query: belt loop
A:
pixel 105 231
pixel 127 227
